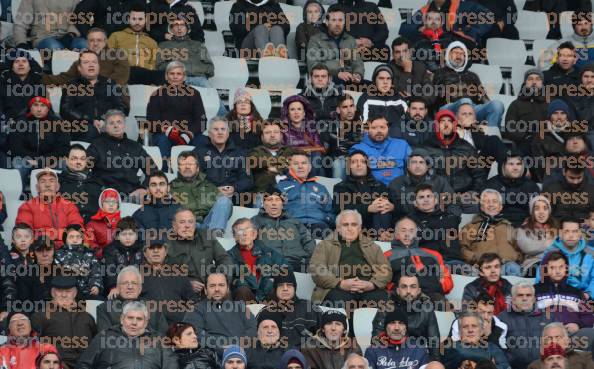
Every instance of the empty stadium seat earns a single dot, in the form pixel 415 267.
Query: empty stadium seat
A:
pixel 230 73
pixel 363 326
pixel 12 209
pixel 490 76
pixel 128 208
pixel 91 307
pixel 455 295
pixel 33 178
pixel 294 14
pixel 531 25
pixel 155 154
pixel 289 92
pixel 444 321
pixel 197 5
pixel 222 9
pixel 506 53
pixel 239 212
pixel 329 183
pixel 211 101
pixel 278 73
pixel 517 76
pixel 55 96
pixel 215 43
pixel 11 184
pixel 261 99
pixel 131 128
pixel 62 60
pixel 255 308
pixel 369 68
pixel 139 99
pixel 175 151
pixel 305 285
pixel 227 243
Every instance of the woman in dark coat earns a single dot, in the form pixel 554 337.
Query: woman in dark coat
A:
pixel 189 354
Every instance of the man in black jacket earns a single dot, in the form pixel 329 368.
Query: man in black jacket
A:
pixel 563 74
pixel 115 159
pixel 573 195
pixel 515 187
pixel 86 99
pixel 77 184
pixel 410 74
pixel 109 15
pixel 269 348
pixel 158 207
pixel 321 92
pixel 380 99
pixel 474 131
pixel 366 24
pixel 224 163
pixel 489 282
pixel 415 127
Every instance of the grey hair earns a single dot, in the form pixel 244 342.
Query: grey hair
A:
pixel 173 65
pixel 469 314
pixel 517 286
pixel 242 221
pixel 406 218
pixel 354 355
pixel 350 212
pixel 129 269
pixel 556 325
pixel 490 190
pixel 135 306
pixel 216 119
pixel 112 113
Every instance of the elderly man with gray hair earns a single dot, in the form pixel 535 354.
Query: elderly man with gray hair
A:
pixel 349 269
pixel 525 324
pixel 576 352
pixel 488 231
pixel 116 159
pixel 128 345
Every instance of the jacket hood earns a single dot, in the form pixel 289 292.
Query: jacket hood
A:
pixel 449 49
pixel 513 153
pixel 20 53
pixel 445 113
pixel 558 244
pixel 380 68
pixel 322 13
pixel 290 356
pixel 309 112
pixel 576 40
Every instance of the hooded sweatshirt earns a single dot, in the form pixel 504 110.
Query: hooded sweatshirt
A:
pixel 16 93
pixel 305 30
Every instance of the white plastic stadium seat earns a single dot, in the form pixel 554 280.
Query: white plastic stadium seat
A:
pixel 175 151
pixel 55 96
pixel 36 55
pixel 407 5
pixel 239 212
pixel 531 25
pixel 455 295
pixel 227 243
pixel 278 73
pixel 329 183
pixel 566 27
pixel 369 68
pixel 384 245
pixel 11 184
pixel 82 143
pixel 517 76
pixel 261 99
pixel 222 10
pixel 392 19
pixel 128 208
pixel 520 4
pixel 287 92
pixel 33 180
pixel 506 53
pixel 490 76
pixel 465 219
pixel 294 14
pixel 91 307
pixel 12 209
pixel 139 98
pixel 542 52
pixel 155 154
pixel 255 308
pixel 5 30
pixel 131 128
pixel 215 43
pixel 363 326
pixel 210 100
pixel 62 60
pixel 516 280
pixel 444 321
pixel 493 171
pixel 230 73
pixel 305 285
pixel 197 5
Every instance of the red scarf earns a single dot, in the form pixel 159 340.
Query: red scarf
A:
pixel 112 218
pixel 495 290
pixel 434 37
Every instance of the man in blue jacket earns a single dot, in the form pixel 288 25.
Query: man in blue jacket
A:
pixel 307 200
pixel 387 155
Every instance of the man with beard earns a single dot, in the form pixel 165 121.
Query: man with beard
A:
pixel 406 257
pixel 270 159
pixel 211 208
pixel 583 100
pixel 321 92
pixel 573 195
pixel 77 184
pixel 410 73
pixel 158 207
pixel 432 41
pixel 582 38
pixel 367 25
pixel 346 130
pixel 422 321
pixel 562 75
pixel 414 128
pixel 515 187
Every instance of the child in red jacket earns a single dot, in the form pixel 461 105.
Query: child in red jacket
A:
pixel 102 226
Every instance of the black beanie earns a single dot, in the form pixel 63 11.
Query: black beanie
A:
pixel 285 276
pixel 396 315
pixel 333 316
pixel 266 314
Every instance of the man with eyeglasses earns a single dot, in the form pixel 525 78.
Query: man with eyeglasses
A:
pixel 255 264
pixel 128 287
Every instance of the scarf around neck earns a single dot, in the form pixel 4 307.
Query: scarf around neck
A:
pixel 486 223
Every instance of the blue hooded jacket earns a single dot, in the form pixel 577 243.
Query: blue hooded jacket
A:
pixel 581 262
pixel 387 159
pixel 308 201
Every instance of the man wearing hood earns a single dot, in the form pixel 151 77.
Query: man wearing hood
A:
pixel 270 345
pixel 562 75
pixel 572 195
pixel 582 38
pixel 516 188
pixel 332 45
pixel 451 156
pixel 307 200
pixel 454 82
pixel 362 192
pixel 300 318
pixel 313 21
pixel 380 99
pixel 583 100
pixel 21 81
pixel 195 56
pixel 293 359
pixel 524 114
pixel 407 258
pixel 367 25
pixel 580 256
pixel 283 233
pixel 36 140
pixel 386 155
pixel 331 345
pixel 321 92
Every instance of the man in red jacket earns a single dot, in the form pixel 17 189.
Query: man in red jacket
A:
pixel 49 213
pixel 23 346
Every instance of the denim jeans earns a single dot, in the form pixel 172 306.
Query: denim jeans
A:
pixel 55 43
pixel 165 145
pixel 260 36
pixel 492 111
pixel 512 268
pixel 219 215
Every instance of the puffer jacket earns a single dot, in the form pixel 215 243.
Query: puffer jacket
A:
pixel 82 189
pixel 325 49
pixel 322 354
pixel 322 101
pixel 197 61
pixel 307 201
pixel 287 236
pixel 523 117
pixel 82 263
pixel 162 9
pixel 15 93
pixel 139 46
pixel 387 159
pixel 197 358
pixel 245 16
pixel 499 239
pixel 131 352
pixel 570 200
pixel 422 321
pixel 8 288
pixel 301 319
pixel 268 263
pixel 325 269
pixel 390 106
pixel 117 256
pixel 39 19
pixel 225 168
pixel 197 194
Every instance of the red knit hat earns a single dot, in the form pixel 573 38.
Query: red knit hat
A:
pixel 40 99
pixel 552 349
